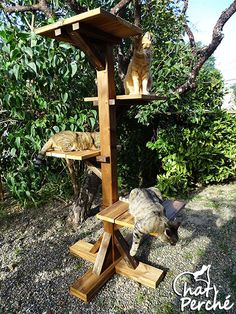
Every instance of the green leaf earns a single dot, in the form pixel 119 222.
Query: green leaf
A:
pixel 16 69
pixel 73 69
pixel 65 97
pixel 32 65
pixel 18 140
pixel 29 51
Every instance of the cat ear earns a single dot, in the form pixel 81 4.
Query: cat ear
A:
pixel 168 232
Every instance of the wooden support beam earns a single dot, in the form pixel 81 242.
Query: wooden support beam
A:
pixel 144 274
pixel 107 122
pixel 86 286
pixel 83 249
pixel 94 169
pixel 124 250
pixel 96 245
pixel 85 45
pixel 97 269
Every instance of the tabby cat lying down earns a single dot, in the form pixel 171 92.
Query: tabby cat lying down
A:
pixel 68 141
pixel 145 206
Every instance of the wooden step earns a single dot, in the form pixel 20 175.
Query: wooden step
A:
pixel 118 213
pixel 77 155
pixel 128 99
pixel 114 211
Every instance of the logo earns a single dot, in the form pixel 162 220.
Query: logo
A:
pixel 197 293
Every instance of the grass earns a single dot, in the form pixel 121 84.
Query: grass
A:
pixel 166 308
pixel 140 297
pixel 200 252
pixel 188 256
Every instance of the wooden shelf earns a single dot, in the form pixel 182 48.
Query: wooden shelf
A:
pixel 118 213
pixel 96 24
pixel 128 99
pixel 79 155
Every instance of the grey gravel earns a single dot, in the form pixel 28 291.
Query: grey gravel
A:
pixel 37 269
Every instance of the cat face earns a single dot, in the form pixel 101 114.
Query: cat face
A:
pixel 144 43
pixel 170 234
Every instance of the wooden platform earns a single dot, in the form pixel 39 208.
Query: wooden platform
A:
pixel 78 155
pixel 97 24
pixel 128 99
pixel 118 213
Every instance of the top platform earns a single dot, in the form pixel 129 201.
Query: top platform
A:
pixel 96 24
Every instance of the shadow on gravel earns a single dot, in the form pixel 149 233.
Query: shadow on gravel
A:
pixel 220 254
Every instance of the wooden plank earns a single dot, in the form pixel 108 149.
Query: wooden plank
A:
pixel 86 286
pixel 97 269
pixel 94 57
pixel 96 245
pixel 144 274
pixel 95 34
pixel 99 18
pixel 107 123
pixel 127 99
pixel 76 155
pixel 123 248
pixel 83 249
pixel 112 212
pixel 94 169
pixel 125 219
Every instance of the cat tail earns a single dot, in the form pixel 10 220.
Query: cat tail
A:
pixel 41 155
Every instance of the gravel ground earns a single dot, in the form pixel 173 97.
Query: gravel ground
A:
pixel 37 269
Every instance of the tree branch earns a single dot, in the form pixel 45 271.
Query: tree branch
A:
pixel 119 6
pixel 204 53
pixel 188 30
pixel 137 12
pixel 76 7
pixel 42 6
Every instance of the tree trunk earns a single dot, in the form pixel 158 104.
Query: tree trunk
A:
pixel 88 192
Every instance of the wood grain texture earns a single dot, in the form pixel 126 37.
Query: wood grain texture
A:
pixel 123 248
pixel 144 274
pixel 114 211
pixel 86 286
pixel 98 18
pixel 83 249
pixel 80 155
pixel 107 126
pixel 102 252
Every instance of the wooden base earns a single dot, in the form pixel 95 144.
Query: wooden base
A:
pixel 86 286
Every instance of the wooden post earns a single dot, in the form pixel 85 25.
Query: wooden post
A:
pixel 107 123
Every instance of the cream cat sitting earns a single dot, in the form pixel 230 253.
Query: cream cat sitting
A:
pixel 138 78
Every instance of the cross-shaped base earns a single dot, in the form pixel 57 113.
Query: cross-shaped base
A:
pixel 110 255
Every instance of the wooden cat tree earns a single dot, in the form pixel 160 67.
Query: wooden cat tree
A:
pixel 95 32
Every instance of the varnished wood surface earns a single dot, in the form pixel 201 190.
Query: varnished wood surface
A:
pixel 77 155
pixel 144 274
pixel 127 99
pixel 98 19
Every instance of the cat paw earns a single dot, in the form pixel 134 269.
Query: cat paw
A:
pixel 146 92
pixel 132 252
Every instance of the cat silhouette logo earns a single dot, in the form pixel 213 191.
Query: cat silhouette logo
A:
pixel 197 293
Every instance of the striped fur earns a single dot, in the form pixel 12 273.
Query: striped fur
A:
pixel 145 206
pixel 69 141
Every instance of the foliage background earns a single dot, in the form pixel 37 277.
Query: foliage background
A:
pixel 175 144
